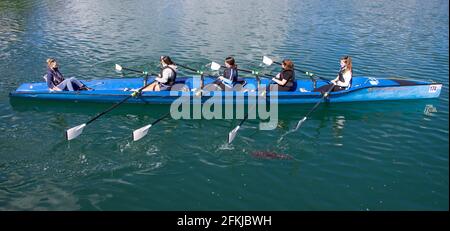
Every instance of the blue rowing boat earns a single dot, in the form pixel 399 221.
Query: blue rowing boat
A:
pixel 114 90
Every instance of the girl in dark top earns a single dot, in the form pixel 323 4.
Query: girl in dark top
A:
pixel 56 82
pixel 230 74
pixel 286 78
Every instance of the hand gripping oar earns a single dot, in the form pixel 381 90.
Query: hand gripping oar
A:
pixel 141 132
pixel 314 108
pixel 268 61
pixel 74 132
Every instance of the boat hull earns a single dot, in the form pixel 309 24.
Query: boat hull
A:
pixel 115 90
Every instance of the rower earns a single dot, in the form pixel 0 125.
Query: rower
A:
pixel 343 81
pixel 166 78
pixel 229 77
pixel 285 80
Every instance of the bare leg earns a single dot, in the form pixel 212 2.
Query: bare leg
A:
pixel 150 87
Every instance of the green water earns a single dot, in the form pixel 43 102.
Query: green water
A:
pixel 350 156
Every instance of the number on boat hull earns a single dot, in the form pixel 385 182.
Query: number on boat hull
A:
pixel 434 88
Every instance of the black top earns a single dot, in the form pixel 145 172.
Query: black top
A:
pixel 54 77
pixel 288 75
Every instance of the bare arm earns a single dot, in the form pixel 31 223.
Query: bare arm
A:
pixel 280 82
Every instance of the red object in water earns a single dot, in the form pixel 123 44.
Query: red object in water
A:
pixel 270 155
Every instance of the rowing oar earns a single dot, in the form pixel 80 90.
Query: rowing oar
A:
pixel 74 132
pixel 314 108
pixel 268 61
pixel 215 66
pixel 141 132
pixel 232 134
pixel 202 77
pixel 120 68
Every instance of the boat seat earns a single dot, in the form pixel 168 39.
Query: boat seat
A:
pixel 403 82
pixel 294 87
pixel 241 82
pixel 212 87
pixel 179 86
pixel 239 86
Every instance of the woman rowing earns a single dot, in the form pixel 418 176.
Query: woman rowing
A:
pixel 343 80
pixel 229 77
pixel 284 81
pixel 56 81
pixel 166 78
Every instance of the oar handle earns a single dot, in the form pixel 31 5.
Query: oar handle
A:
pixel 117 104
pixel 141 72
pixel 277 62
pixel 306 72
pixel 310 74
pixel 270 75
pixel 190 68
pixel 129 69
pixel 255 72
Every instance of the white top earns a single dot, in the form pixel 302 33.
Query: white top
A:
pixel 166 74
pixel 347 77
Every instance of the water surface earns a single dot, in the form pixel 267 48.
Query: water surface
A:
pixel 351 156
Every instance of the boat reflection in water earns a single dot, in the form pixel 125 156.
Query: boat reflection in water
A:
pixel 288 115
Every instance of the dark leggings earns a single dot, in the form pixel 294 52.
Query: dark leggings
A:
pixel 326 88
pixel 276 87
pixel 221 85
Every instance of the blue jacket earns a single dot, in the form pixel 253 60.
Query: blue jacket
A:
pixel 54 77
pixel 231 75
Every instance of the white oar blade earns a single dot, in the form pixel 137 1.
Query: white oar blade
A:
pixel 299 124
pixel 232 134
pixel 118 67
pixel 141 132
pixel 267 60
pixel 74 132
pixel 215 66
